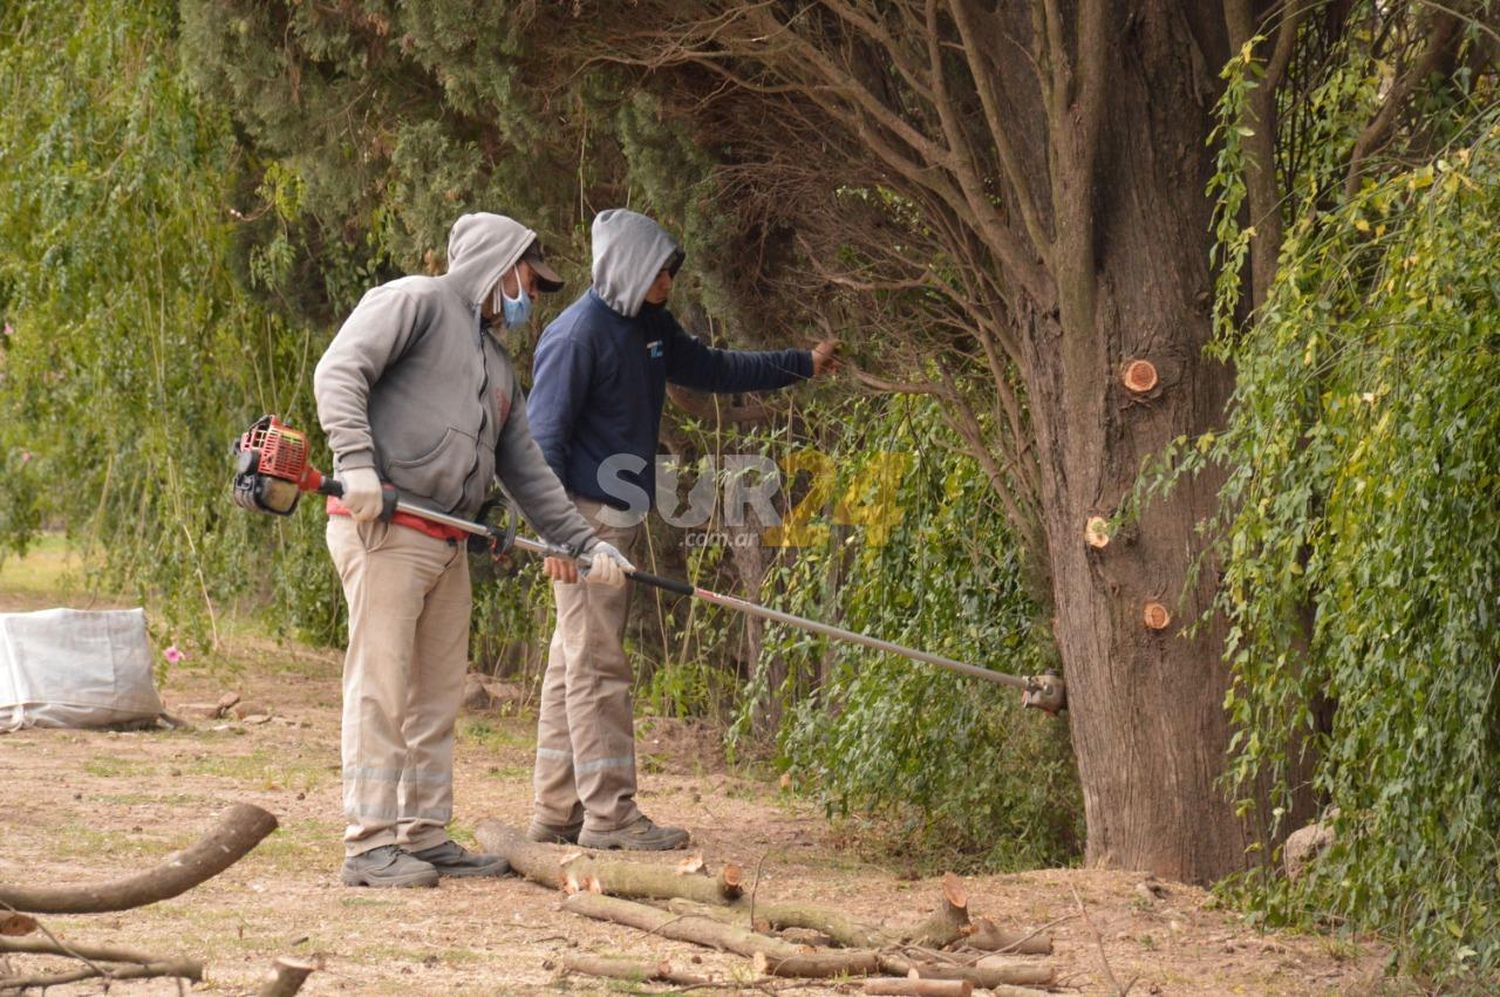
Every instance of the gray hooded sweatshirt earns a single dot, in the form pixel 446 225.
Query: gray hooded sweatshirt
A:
pixel 415 386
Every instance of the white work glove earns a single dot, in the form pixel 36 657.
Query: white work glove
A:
pixel 362 493
pixel 607 565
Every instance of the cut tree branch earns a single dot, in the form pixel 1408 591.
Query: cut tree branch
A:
pixel 949 922
pixel 81 951
pixel 633 970
pixel 287 976
pixel 238 831
pixel 912 987
pixel 183 969
pixel 781 958
pixel 989 972
pixel 572 871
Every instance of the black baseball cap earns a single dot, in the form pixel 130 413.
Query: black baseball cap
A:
pixel 546 278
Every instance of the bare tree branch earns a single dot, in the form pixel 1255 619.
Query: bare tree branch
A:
pixel 984 80
pixel 1441 34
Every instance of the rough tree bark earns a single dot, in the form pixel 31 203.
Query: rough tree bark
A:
pixel 1132 275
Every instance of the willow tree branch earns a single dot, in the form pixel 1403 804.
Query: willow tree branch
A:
pixel 892 387
pixel 960 416
pixel 1378 130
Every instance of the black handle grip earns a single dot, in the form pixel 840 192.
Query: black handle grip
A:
pixel 388 499
pixel 657 581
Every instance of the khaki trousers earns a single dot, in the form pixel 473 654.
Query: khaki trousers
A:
pixel 409 601
pixel 585 745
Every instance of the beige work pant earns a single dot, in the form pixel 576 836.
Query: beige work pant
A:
pixel 585 744
pixel 409 600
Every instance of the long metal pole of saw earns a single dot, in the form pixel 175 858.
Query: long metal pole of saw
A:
pixel 753 609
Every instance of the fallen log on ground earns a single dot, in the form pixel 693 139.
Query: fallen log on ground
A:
pixel 990 972
pixel 851 933
pixel 567 868
pixel 780 958
pixel 904 987
pixel 991 938
pixel 184 969
pixel 633 970
pixel 80 950
pixel 238 831
pixel 815 965
pixel 287 976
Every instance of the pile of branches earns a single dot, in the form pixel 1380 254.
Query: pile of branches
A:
pixel 240 829
pixel 947 953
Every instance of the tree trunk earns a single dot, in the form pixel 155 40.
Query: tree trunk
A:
pixel 1146 705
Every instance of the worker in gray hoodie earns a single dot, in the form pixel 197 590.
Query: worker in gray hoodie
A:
pixel 599 382
pixel 416 393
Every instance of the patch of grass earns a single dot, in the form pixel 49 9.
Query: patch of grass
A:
pixel 81 839
pixel 508 772
pixel 109 767
pixel 363 901
pixel 311 845
pixel 464 835
pixel 260 770
pixel 50 567
pixel 495 736
pixel 140 799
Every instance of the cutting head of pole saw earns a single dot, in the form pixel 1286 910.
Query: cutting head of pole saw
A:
pixel 271 469
pixel 1046 692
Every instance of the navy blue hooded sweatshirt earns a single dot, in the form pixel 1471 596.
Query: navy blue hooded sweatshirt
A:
pixel 602 367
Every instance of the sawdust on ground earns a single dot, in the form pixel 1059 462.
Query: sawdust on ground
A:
pixel 77 807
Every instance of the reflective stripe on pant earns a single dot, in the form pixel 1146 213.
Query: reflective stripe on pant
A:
pixel 409 600
pixel 585 755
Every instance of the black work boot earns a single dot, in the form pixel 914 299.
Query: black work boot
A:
pixel 452 859
pixel 387 866
pixel 641 835
pixel 552 834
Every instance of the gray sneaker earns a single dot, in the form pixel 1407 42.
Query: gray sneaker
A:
pixel 452 859
pixel 387 866
pixel 641 835
pixel 551 834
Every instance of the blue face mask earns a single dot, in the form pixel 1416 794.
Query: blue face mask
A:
pixel 517 310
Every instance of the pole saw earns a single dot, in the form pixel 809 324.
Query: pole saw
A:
pixel 272 471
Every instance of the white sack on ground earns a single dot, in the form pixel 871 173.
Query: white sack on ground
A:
pixel 75 668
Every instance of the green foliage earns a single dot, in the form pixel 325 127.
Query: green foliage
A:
pixel 1360 535
pixel 135 358
pixel 178 241
pixel 966 776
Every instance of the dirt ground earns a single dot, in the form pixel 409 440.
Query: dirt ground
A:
pixel 84 806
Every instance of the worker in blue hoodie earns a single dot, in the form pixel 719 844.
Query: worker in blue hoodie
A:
pixel 599 383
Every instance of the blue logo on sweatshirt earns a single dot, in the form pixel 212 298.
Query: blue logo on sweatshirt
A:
pixel 653 349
